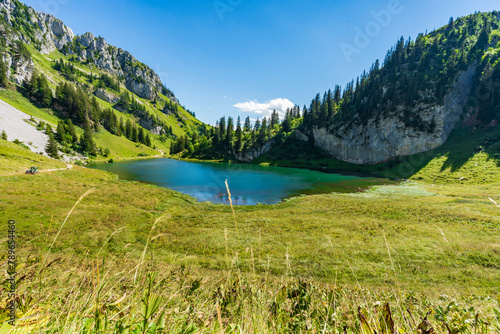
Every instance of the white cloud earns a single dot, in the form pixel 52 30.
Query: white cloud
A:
pixel 265 109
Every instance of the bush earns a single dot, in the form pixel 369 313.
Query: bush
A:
pixel 20 143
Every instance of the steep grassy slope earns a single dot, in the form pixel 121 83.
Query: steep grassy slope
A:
pixel 15 159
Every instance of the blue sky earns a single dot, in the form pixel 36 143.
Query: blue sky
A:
pixel 245 57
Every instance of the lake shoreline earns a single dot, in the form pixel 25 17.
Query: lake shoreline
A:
pixel 251 184
pixel 283 164
pixel 324 169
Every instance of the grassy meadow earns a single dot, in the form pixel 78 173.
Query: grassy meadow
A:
pixel 135 258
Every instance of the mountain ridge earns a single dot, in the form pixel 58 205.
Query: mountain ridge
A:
pixel 59 77
pixel 48 33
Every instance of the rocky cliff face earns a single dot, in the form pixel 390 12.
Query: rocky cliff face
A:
pixel 48 33
pixel 253 154
pixel 44 31
pixel 387 138
pixel 139 78
pixel 19 68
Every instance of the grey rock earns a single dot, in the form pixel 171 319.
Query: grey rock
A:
pixel 148 124
pixel 388 138
pixel 108 97
pixel 19 70
pixel 251 155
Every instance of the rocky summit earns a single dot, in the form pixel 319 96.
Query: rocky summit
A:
pixel 47 33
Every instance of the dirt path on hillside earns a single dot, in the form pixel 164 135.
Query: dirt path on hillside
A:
pixel 70 167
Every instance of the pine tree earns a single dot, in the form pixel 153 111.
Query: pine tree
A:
pixel 48 129
pixel 337 95
pixel 257 125
pixel 4 135
pixel 275 118
pixel 182 144
pixel 239 138
pixel 116 123
pixel 217 136
pixel 451 24
pixel 135 134
pixel 229 133
pixel 129 130
pixel 222 127
pixel 87 141
pixel 51 147
pixel 248 125
pixel 125 100
pixel 44 93
pixel 287 123
pixel 263 132
pixel 72 132
pixel 173 148
pixel 61 132
pixel 190 148
pixel 140 136
pixel 330 103
pixel 269 131
pixel 323 118
pixel 123 129
pixel 95 110
pixel 32 85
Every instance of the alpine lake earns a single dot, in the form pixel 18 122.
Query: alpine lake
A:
pixel 249 184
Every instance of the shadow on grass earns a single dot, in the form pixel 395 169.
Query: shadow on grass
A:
pixel 462 145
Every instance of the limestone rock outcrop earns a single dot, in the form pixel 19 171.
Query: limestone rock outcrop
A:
pixel 387 138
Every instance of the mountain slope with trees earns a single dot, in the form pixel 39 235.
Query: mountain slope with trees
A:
pixel 97 100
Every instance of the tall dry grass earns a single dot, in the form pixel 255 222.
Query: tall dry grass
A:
pixel 106 294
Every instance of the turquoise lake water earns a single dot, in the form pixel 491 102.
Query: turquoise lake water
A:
pixel 249 184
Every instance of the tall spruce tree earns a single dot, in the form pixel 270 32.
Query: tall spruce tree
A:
pixel 248 125
pixel 52 148
pixel 229 134
pixel 72 132
pixel 61 132
pixel 87 141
